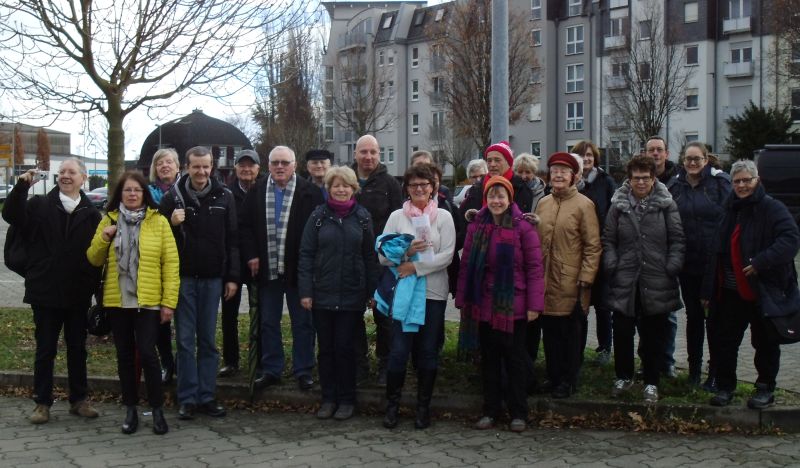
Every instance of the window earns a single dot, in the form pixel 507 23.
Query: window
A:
pixel 390 57
pixel 536 148
pixel 575 78
pixel 796 52
pixel 439 15
pixel 328 132
pixel 741 53
pixel 575 7
pixel 387 22
pixel 414 148
pixel 536 37
pixel 619 69
pixel 437 125
pixel 415 90
pixel 382 90
pixel 536 75
pixel 536 9
pixel 739 8
pixel 645 28
pixel 575 116
pixel 644 71
pixel 691 55
pixel 415 124
pixel 328 73
pixel 575 40
pixel 690 12
pixel 390 87
pixel 419 17
pixel 615 27
pixel 380 58
pixel 535 112
pixel 690 137
pixel 438 84
pixel 619 149
pixel 796 104
pixel 390 155
pixel 414 57
pixel 383 155
pixel 692 100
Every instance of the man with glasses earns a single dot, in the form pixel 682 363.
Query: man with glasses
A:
pixel 203 217
pixel 275 213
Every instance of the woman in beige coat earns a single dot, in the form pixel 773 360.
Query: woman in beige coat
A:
pixel 571 249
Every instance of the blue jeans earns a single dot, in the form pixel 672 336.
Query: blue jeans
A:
pixel 270 306
pixel 195 327
pixel 426 340
pixel 669 346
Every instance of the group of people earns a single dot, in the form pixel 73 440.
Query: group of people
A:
pixel 524 257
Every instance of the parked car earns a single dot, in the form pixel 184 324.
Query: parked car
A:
pixel 98 197
pixel 4 190
pixel 460 194
pixel 779 171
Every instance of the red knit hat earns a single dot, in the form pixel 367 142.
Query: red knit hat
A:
pixel 503 148
pixel 498 180
pixel 565 159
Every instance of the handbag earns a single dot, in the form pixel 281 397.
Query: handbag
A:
pixel 781 311
pixel 97 321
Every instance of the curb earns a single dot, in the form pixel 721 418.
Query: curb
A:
pixel 786 418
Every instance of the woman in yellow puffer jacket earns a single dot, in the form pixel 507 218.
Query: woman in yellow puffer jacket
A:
pixel 140 288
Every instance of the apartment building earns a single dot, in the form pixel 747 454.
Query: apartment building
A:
pixel 725 49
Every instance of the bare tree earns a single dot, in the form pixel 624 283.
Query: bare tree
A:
pixel 42 150
pixel 654 75
pixel 448 148
pixel 786 27
pixel 19 150
pixel 116 57
pixel 461 56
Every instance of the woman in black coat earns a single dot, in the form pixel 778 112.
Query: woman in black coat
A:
pixel 336 277
pixel 59 281
pixel 756 243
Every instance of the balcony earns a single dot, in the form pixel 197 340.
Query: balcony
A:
pixel 615 82
pixel 614 42
pixel 352 40
pixel 617 3
pixel 347 136
pixel 736 25
pixel 614 122
pixel 437 98
pixel 738 70
pixel 436 64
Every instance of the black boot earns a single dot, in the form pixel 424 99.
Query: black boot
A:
pixel 131 422
pixel 159 423
pixel 394 389
pixel 425 379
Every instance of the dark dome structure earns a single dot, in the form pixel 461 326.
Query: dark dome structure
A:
pixel 195 129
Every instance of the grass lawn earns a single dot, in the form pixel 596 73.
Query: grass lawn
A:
pixel 18 345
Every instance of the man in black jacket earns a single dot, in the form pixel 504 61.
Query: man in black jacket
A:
pixel 246 166
pixel 203 217
pixel 274 215
pixel 380 194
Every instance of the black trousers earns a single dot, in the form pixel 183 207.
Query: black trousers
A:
pixel 735 314
pixel 604 328
pixel 497 349
pixel 697 324
pixel 562 336
pixel 48 323
pixel 164 345
pixel 230 324
pixel 136 330
pixel 653 331
pixel 533 338
pixel 336 353
pixel 383 338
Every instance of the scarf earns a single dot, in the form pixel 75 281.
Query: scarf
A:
pixel 126 247
pixel 196 195
pixel 431 209
pixel 639 206
pixel 276 232
pixel 503 236
pixel 69 203
pixel 341 209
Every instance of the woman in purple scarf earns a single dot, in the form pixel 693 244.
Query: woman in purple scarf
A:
pixel 336 277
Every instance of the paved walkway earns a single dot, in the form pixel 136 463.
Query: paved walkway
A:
pixel 11 293
pixel 245 439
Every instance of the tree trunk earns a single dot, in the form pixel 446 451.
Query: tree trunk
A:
pixel 116 142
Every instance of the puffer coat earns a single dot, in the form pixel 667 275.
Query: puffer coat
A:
pixel 570 238
pixel 644 254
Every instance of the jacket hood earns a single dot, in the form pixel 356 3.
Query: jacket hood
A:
pixel 660 197
pixel 708 171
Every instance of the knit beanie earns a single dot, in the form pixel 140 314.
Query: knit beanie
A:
pixel 503 148
pixel 497 180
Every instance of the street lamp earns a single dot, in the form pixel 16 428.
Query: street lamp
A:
pixel 159 135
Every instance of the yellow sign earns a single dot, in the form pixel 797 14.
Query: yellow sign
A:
pixel 5 151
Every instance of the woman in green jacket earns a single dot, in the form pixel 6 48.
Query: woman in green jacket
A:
pixel 140 288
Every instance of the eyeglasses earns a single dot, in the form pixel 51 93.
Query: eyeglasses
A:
pixel 743 181
pixel 641 179
pixel 280 162
pixel 132 190
pixel 694 159
pixel 419 186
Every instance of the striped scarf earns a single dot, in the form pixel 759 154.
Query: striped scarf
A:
pixel 276 231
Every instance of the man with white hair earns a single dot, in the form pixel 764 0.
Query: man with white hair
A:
pixel 274 215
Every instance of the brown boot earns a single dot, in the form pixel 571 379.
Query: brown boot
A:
pixel 84 409
pixel 40 415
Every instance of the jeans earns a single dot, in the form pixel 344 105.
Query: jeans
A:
pixel 735 314
pixel 668 359
pixel 136 330
pixel 497 349
pixel 336 356
pixel 653 332
pixel 230 326
pixel 696 325
pixel 426 340
pixel 48 322
pixel 270 306
pixel 195 327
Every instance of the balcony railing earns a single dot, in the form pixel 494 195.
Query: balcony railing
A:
pixel 437 98
pixel 738 70
pixel 437 64
pixel 736 25
pixel 615 82
pixel 614 42
pixel 352 39
pixel 617 3
pixel 614 122
pixel 346 136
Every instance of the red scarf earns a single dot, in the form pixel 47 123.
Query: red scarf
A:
pixel 742 285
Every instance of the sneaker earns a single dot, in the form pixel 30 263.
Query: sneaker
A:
pixel 344 412
pixel 517 425
pixel 84 409
pixel 722 398
pixel 326 410
pixel 650 394
pixel 486 422
pixel 40 415
pixel 621 386
pixel 603 357
pixel 763 398
pixel 670 372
